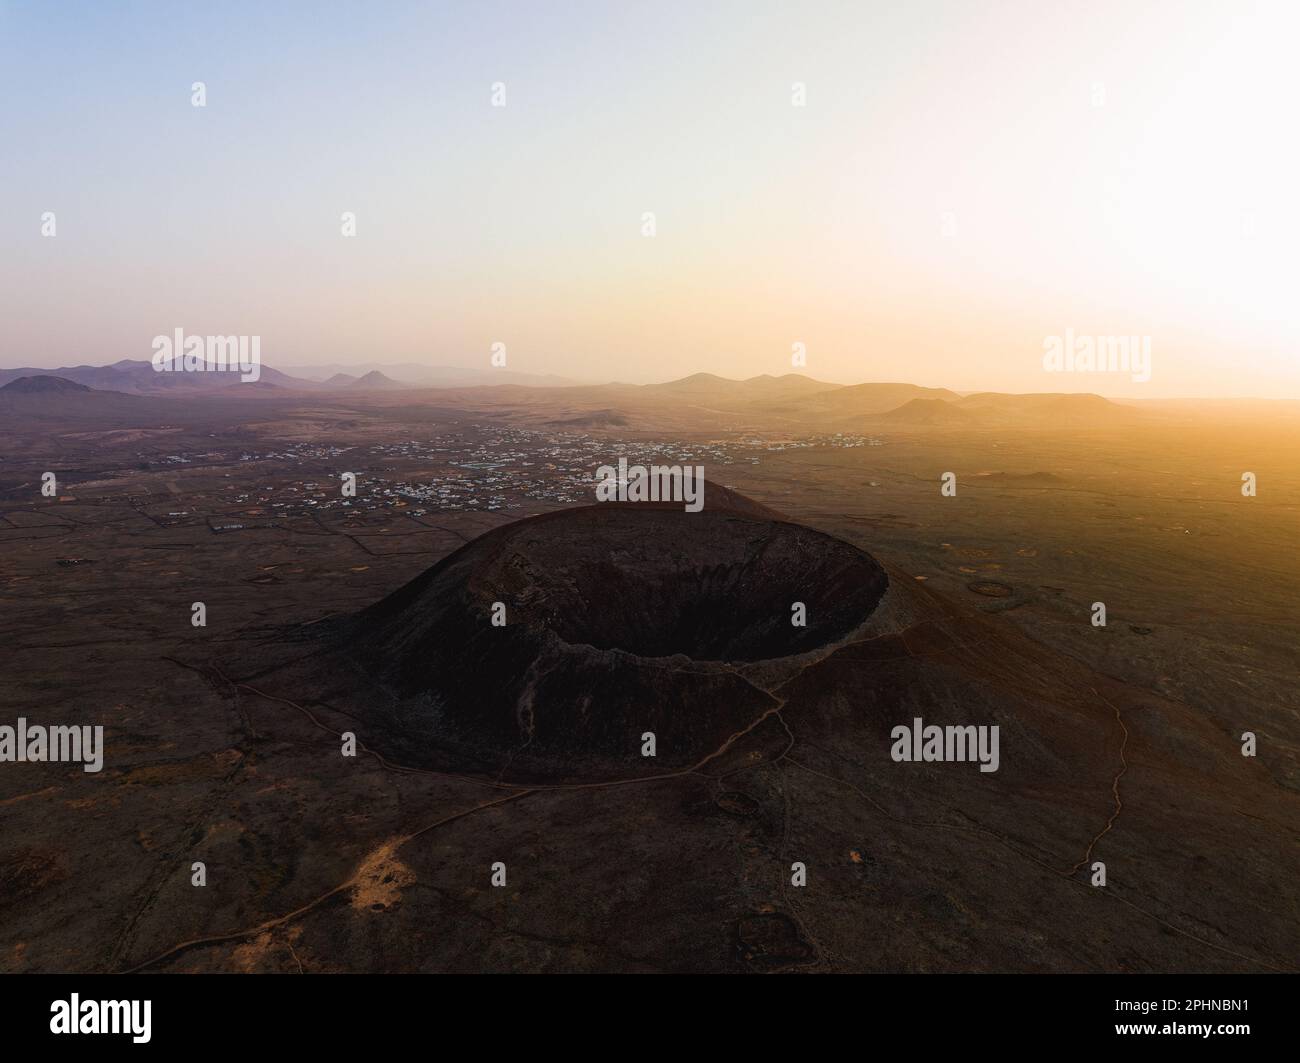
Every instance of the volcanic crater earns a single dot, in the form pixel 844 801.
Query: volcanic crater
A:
pixel 619 620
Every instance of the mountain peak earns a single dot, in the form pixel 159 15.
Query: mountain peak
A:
pixel 374 379
pixel 42 384
pixel 697 380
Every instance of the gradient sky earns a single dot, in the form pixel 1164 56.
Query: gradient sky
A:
pixel 1171 211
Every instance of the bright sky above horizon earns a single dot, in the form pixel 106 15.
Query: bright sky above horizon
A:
pixel 964 182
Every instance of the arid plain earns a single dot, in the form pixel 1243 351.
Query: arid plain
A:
pixel 1121 743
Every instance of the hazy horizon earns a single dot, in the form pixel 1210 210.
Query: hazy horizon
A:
pixel 958 187
pixel 322 371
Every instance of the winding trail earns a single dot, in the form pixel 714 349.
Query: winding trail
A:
pixel 518 792
pixel 342 887
pixel 1114 786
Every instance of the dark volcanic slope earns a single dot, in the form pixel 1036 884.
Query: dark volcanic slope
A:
pixel 30 385
pixel 43 399
pixel 522 745
pixel 620 620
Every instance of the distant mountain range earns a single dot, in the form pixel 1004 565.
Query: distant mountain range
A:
pixel 425 376
pixel 755 388
pixel 764 401
pixel 138 377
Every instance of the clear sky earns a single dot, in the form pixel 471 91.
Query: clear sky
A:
pixel 964 181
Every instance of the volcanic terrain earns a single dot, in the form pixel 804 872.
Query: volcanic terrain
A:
pixel 772 748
